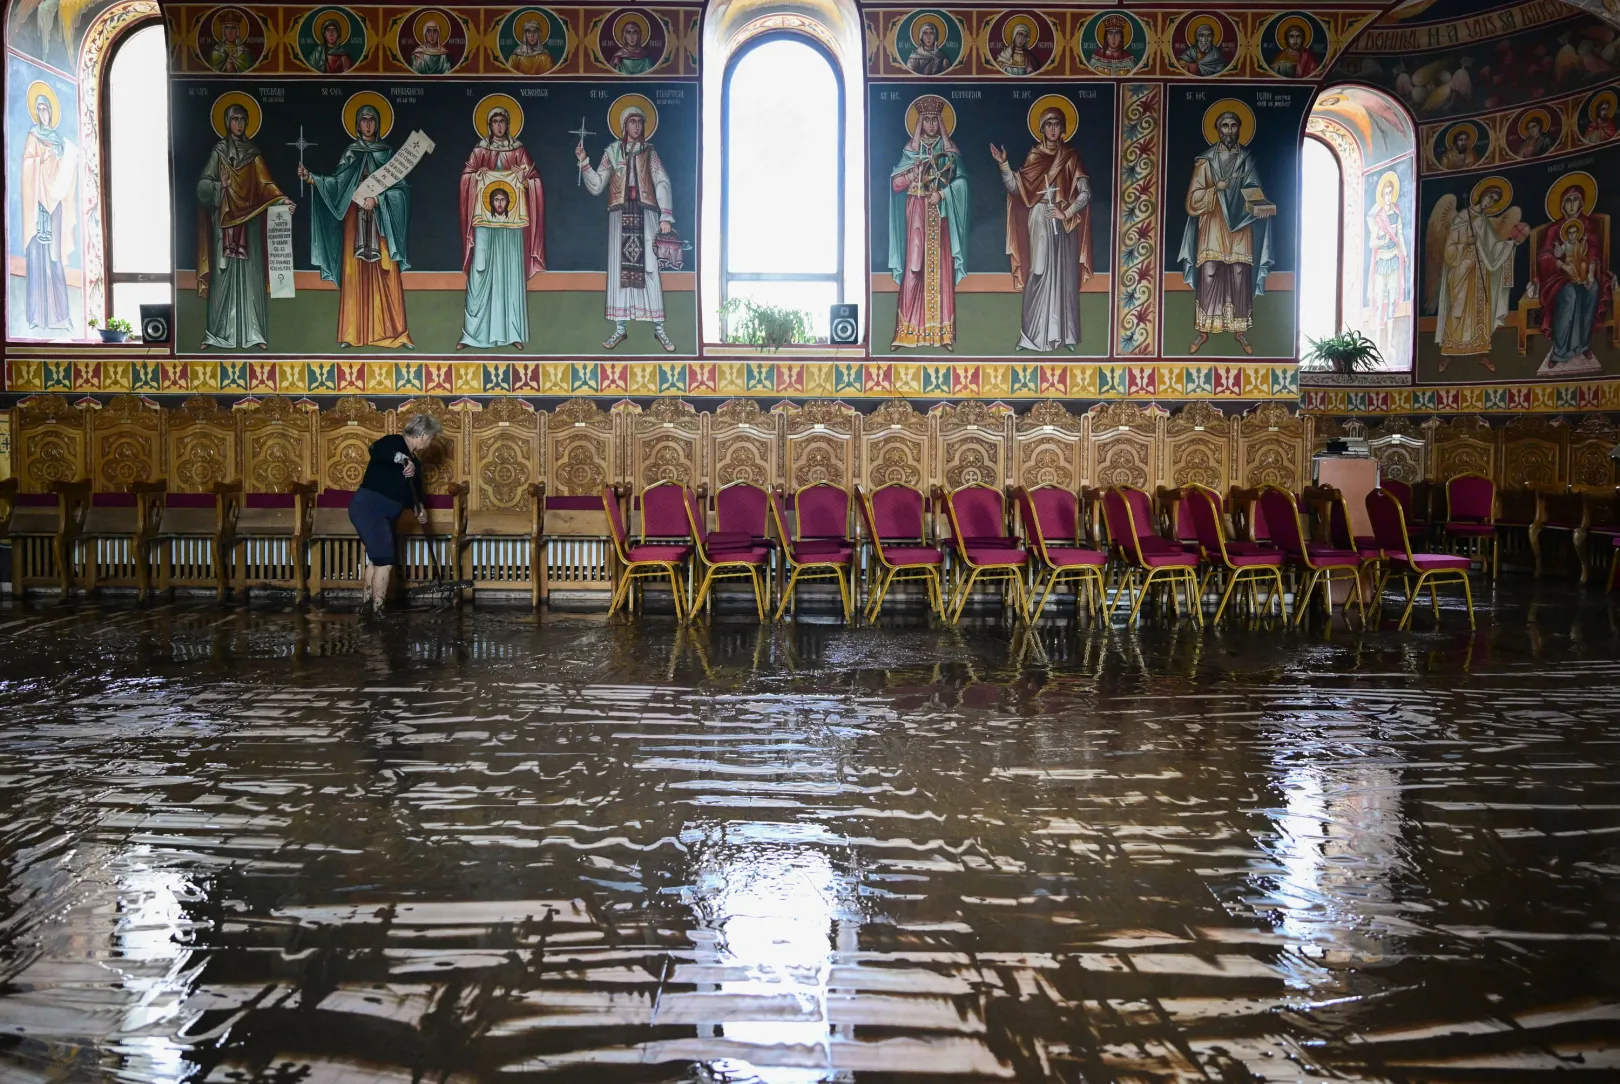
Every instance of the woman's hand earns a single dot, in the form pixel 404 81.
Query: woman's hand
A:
pixel 421 515
pixel 409 470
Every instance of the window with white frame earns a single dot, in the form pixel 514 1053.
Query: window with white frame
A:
pixel 140 256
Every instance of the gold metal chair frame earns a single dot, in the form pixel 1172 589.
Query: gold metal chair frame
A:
pixel 1434 578
pixel 1088 576
pixel 808 570
pixel 1012 576
pixel 893 573
pixel 639 570
pixel 1324 575
pixel 721 569
pixel 1168 576
pixel 1251 576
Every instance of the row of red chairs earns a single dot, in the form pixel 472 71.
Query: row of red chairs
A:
pixel 1059 545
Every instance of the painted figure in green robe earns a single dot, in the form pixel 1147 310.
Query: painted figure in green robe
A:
pixel 233 194
pixel 503 236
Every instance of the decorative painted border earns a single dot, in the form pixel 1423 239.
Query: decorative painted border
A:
pixel 281 23
pixel 880 380
pixel 1589 395
pixel 1136 306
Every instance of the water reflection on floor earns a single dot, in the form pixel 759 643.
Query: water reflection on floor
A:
pixel 266 846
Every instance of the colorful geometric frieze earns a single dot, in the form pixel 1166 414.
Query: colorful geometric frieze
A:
pixel 732 377
pixel 1552 398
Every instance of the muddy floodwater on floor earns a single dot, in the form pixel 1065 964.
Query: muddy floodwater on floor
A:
pixel 305 848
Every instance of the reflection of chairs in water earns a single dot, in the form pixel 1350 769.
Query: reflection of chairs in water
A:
pixel 1530 306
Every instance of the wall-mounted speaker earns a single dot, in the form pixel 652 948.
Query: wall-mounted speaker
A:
pixel 844 325
pixel 157 322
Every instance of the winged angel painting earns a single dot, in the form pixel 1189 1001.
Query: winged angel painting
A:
pixel 1469 271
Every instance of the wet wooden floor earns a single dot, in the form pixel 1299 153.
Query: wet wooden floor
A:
pixel 259 845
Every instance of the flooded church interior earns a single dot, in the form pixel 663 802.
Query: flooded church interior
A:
pixel 799 541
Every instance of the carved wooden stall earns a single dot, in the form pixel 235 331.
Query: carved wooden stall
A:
pixel 505 505
pixel 278 501
pixel 581 456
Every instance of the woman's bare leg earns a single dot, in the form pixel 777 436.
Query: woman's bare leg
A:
pixel 368 572
pixel 379 585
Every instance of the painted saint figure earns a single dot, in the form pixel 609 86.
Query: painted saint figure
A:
pixel 1386 244
pixel 1049 231
pixel 430 57
pixel 1601 129
pixel 633 56
pixel 1470 268
pixel 230 55
pixel 1226 247
pixel 1537 140
pixel 500 249
pixel 233 194
pixel 49 170
pixel 1203 56
pixel 361 246
pixel 926 58
pixel 640 208
pixel 928 227
pixel 1575 285
pixel 1113 57
pixel 1014 56
pixel 1460 152
pixel 531 56
pixel 1295 59
pixel 331 55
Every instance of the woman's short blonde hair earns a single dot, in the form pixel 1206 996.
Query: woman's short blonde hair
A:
pixel 422 425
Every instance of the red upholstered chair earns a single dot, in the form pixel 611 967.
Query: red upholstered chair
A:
pixel 663 512
pixel 1471 518
pixel 893 518
pixel 742 513
pixel 1389 527
pixel 819 558
pixel 821 519
pixel 644 560
pixel 1614 564
pixel 724 564
pixel 1160 560
pixel 1251 568
pixel 978 517
pixel 1322 560
pixel 1051 517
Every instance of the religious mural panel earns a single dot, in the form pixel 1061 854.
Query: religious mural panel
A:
pixel 1231 234
pixel 44 219
pixel 992 216
pixel 437 215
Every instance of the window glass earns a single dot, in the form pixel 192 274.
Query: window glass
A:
pixel 1320 222
pixel 138 144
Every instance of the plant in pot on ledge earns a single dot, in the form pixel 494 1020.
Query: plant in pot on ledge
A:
pixel 769 327
pixel 116 330
pixel 1347 353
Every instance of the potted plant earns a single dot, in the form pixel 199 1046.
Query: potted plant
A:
pixel 116 330
pixel 1348 352
pixel 769 327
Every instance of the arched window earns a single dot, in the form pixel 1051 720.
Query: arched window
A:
pixel 782 203
pixel 1359 173
pixel 1321 243
pixel 140 256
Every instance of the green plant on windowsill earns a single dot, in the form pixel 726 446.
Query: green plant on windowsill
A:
pixel 769 327
pixel 1348 352
pixel 116 330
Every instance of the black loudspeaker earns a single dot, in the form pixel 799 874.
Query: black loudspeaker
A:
pixel 844 325
pixel 156 323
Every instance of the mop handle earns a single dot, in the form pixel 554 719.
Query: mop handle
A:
pixel 427 539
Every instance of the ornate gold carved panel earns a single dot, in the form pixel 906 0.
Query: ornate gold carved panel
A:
pixel 666 443
pixel 1271 447
pixel 126 444
pixel 894 447
pixel 1049 447
pixel 1198 444
pixel 1124 445
pixel 505 443
pixel 742 442
pixel 278 445
pixel 202 442
pixel 818 443
pixel 1589 448
pixel 445 463
pixel 1401 447
pixel 973 443
pixel 579 450
pixel 346 435
pixel 1533 450
pixel 1464 446
pixel 49 443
